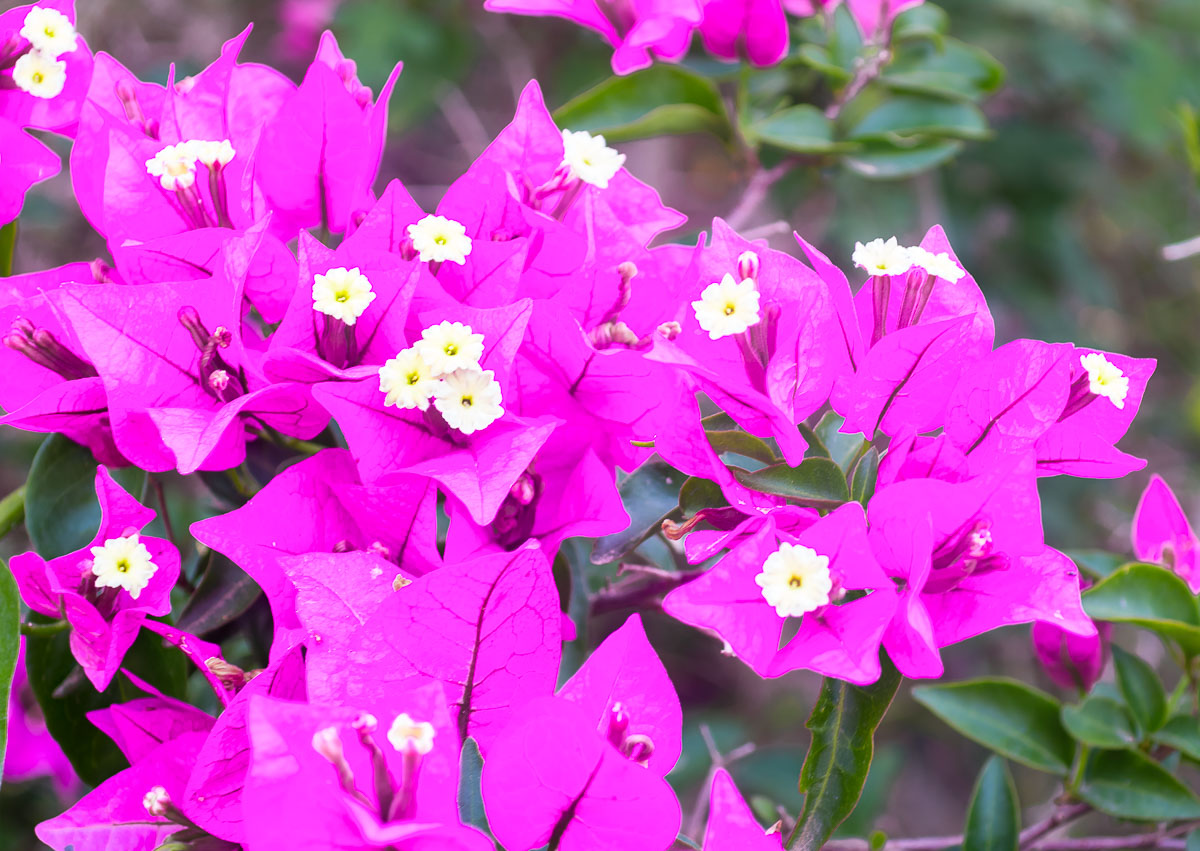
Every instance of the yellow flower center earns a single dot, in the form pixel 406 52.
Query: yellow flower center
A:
pixel 38 77
pixel 451 350
pixel 466 401
pixel 730 309
pixel 49 31
pixel 413 377
pixel 796 581
pixel 439 239
pixel 123 566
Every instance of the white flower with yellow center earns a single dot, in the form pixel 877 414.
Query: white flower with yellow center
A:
pixel 406 734
pixel 210 153
pixel 49 31
pixel 174 166
pixel 408 381
pixel 939 265
pixel 342 293
pixel 728 307
pixel 795 580
pixel 450 346
pixel 882 258
pixel 1105 378
pixel 40 75
pixel 589 159
pixel 438 239
pixel 469 400
pixel 123 563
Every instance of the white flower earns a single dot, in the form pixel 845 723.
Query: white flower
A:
pixel 405 733
pixel 449 346
pixel 729 307
pixel 939 265
pixel 174 166
pixel 1105 378
pixel 438 239
pixel 40 75
pixel 589 159
pixel 882 258
pixel 210 153
pixel 795 580
pixel 49 31
pixel 408 381
pixel 342 293
pixel 123 563
pixel 469 400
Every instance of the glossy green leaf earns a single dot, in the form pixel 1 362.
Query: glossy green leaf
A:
pixel 224 593
pixel 912 115
pixel 10 643
pixel 663 99
pixel 1006 716
pixel 1128 784
pixel 802 129
pixel 817 481
pixel 843 726
pixel 1182 733
pixel 61 510
pixel 866 472
pixel 742 443
pixel 1142 690
pixel 1151 597
pixel 470 798
pixel 698 493
pixel 1100 722
pixel 994 816
pixel 888 162
pixel 649 494
pixel 842 447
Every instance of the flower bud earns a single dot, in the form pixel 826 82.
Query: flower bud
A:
pixel 1070 660
pixel 328 744
pixel 157 802
pixel 748 266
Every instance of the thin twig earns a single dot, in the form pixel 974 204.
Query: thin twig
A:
pixel 1062 815
pixel 1181 250
pixel 464 120
pixel 757 190
pixel 630 594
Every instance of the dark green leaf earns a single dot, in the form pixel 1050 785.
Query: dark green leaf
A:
pixel 816 447
pixel 61 510
pixel 843 726
pixel 802 129
pixel 911 115
pixel 470 799
pixel 952 70
pixel 1151 597
pixel 924 21
pixel 994 817
pixel 699 493
pixel 10 643
pixel 1142 690
pixel 12 511
pixel 1006 716
pixel 1100 722
pixel 817 481
pixel 663 99
pixel 720 421
pixel 225 593
pixel 649 494
pixel 842 447
pixel 1193 841
pixel 866 472
pixel 741 443
pixel 1096 563
pixel 887 162
pixel 8 247
pixel 1183 734
pixel 819 59
pixel 1127 784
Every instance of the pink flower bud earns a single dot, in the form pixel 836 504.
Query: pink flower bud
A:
pixel 748 266
pixel 328 744
pixel 1070 660
pixel 157 802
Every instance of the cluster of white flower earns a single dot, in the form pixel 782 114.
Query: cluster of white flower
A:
pixel 443 366
pixel 50 33
pixel 123 563
pixel 175 165
pixel 342 293
pixel 588 158
pixel 880 257
pixel 795 580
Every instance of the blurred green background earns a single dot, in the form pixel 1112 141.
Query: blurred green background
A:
pixel 1061 216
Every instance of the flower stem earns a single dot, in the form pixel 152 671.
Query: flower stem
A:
pixel 12 510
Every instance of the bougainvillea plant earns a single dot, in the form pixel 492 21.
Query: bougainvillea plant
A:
pixel 418 423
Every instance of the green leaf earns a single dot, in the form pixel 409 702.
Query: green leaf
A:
pixel 663 99
pixel 1142 690
pixel 1151 597
pixel 1193 841
pixel 10 643
pixel 1006 716
pixel 8 247
pixel 819 59
pixel 906 116
pixel 12 511
pixel 698 493
pixel 470 799
pixel 61 510
pixel 649 494
pixel 1128 784
pixel 952 70
pixel 1181 733
pixel 866 472
pixel 843 726
pixel 223 594
pixel 1096 563
pixel 994 817
pixel 1100 722
pixel 817 482
pixel 742 443
pixel 887 162
pixel 803 129
pixel 924 21
pixel 842 447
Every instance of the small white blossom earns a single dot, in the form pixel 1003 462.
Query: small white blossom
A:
pixel 438 239
pixel 589 159
pixel 211 153
pixel 469 400
pixel 405 734
pixel 40 75
pixel 408 381
pixel 450 346
pixel 174 166
pixel 49 31
pixel 1105 378
pixel 342 293
pixel 728 307
pixel 795 580
pixel 882 258
pixel 939 265
pixel 123 563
